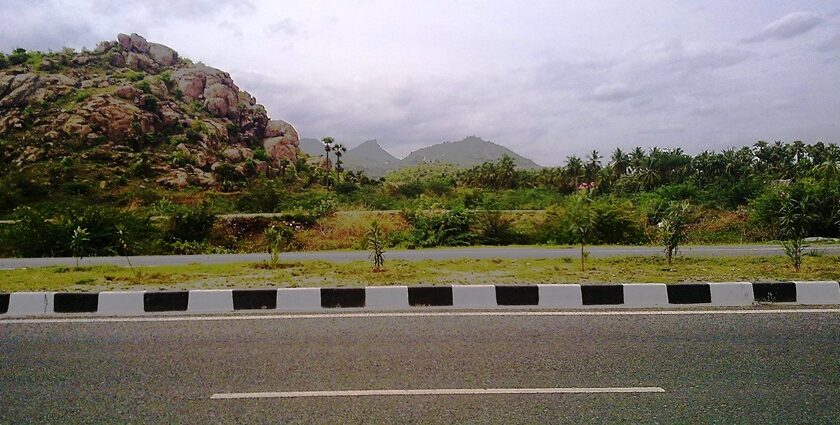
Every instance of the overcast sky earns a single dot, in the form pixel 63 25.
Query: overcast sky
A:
pixel 545 78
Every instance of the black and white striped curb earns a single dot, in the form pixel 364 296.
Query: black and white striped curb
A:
pixel 406 298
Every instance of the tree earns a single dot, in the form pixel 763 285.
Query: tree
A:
pixel 375 242
pixel 339 150
pixel 582 219
pixel 672 227
pixel 328 147
pixel 620 162
pixel 79 242
pixel 574 170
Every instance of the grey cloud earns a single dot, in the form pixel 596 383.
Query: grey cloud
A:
pixel 787 26
pixel 831 44
pixel 614 92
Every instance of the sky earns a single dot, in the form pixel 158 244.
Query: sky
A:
pixel 547 79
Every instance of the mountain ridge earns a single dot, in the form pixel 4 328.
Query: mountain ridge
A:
pixel 375 161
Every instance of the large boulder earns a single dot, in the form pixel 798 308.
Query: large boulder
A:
pixel 16 89
pixel 163 55
pixel 281 141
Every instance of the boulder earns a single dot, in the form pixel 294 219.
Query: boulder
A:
pixel 281 141
pixel 140 62
pixel 163 55
pixel 133 43
pixel 221 100
pixel 16 89
pixel 176 179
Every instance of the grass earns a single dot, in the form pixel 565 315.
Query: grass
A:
pixel 427 272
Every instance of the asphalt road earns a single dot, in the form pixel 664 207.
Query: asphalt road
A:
pixel 713 368
pixel 420 254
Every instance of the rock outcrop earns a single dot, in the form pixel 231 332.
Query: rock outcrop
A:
pixel 145 97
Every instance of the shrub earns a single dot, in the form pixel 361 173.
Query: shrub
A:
pixel 278 239
pixel 495 229
pixel 82 95
pixel 191 224
pixel 375 241
pixel 451 228
pixel 18 56
pixel 4 61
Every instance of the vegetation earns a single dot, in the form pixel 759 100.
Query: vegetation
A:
pixel 736 196
pixel 277 239
pixel 400 272
pixel 376 245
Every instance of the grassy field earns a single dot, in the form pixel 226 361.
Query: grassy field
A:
pixel 428 272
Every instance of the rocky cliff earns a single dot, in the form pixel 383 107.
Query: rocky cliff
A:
pixel 133 107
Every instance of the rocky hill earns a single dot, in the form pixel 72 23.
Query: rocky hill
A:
pixel 133 109
pixel 468 152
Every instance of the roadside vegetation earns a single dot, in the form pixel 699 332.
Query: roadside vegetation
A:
pixel 734 196
pixel 427 272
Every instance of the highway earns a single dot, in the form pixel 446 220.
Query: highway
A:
pixel 421 254
pixel 716 366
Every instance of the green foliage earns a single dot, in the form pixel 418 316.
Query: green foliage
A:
pixel 180 158
pixel 375 242
pixel 673 226
pixel 582 218
pixel 143 86
pixel 150 103
pixel 432 228
pixel 135 76
pixel 40 233
pixel 260 154
pixel 493 228
pixel 795 218
pixel 79 241
pixel 278 239
pixel 18 56
pixel 191 224
pixel 4 61
pixel 82 95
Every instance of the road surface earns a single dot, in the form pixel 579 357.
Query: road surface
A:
pixel 781 367
pixel 420 254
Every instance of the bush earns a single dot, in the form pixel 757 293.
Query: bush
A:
pixel 18 56
pixel 451 228
pixel 82 95
pixel 495 229
pixel 191 224
pixel 4 61
pixel 40 234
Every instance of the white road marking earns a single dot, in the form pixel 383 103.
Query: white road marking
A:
pixel 410 314
pixel 442 391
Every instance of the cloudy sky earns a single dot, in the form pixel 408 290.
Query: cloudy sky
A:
pixel 545 78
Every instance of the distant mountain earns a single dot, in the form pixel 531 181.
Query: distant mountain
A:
pixel 376 162
pixel 466 153
pixel 370 158
pixel 312 147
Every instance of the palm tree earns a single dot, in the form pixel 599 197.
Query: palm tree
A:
pixel 593 165
pixel 574 169
pixel 619 161
pixel 636 158
pixel 328 142
pixel 339 150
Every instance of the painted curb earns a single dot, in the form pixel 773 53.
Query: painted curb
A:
pixel 810 293
pixel 210 301
pixel 646 295
pixel 473 296
pixel 386 297
pixel 121 302
pixel 635 295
